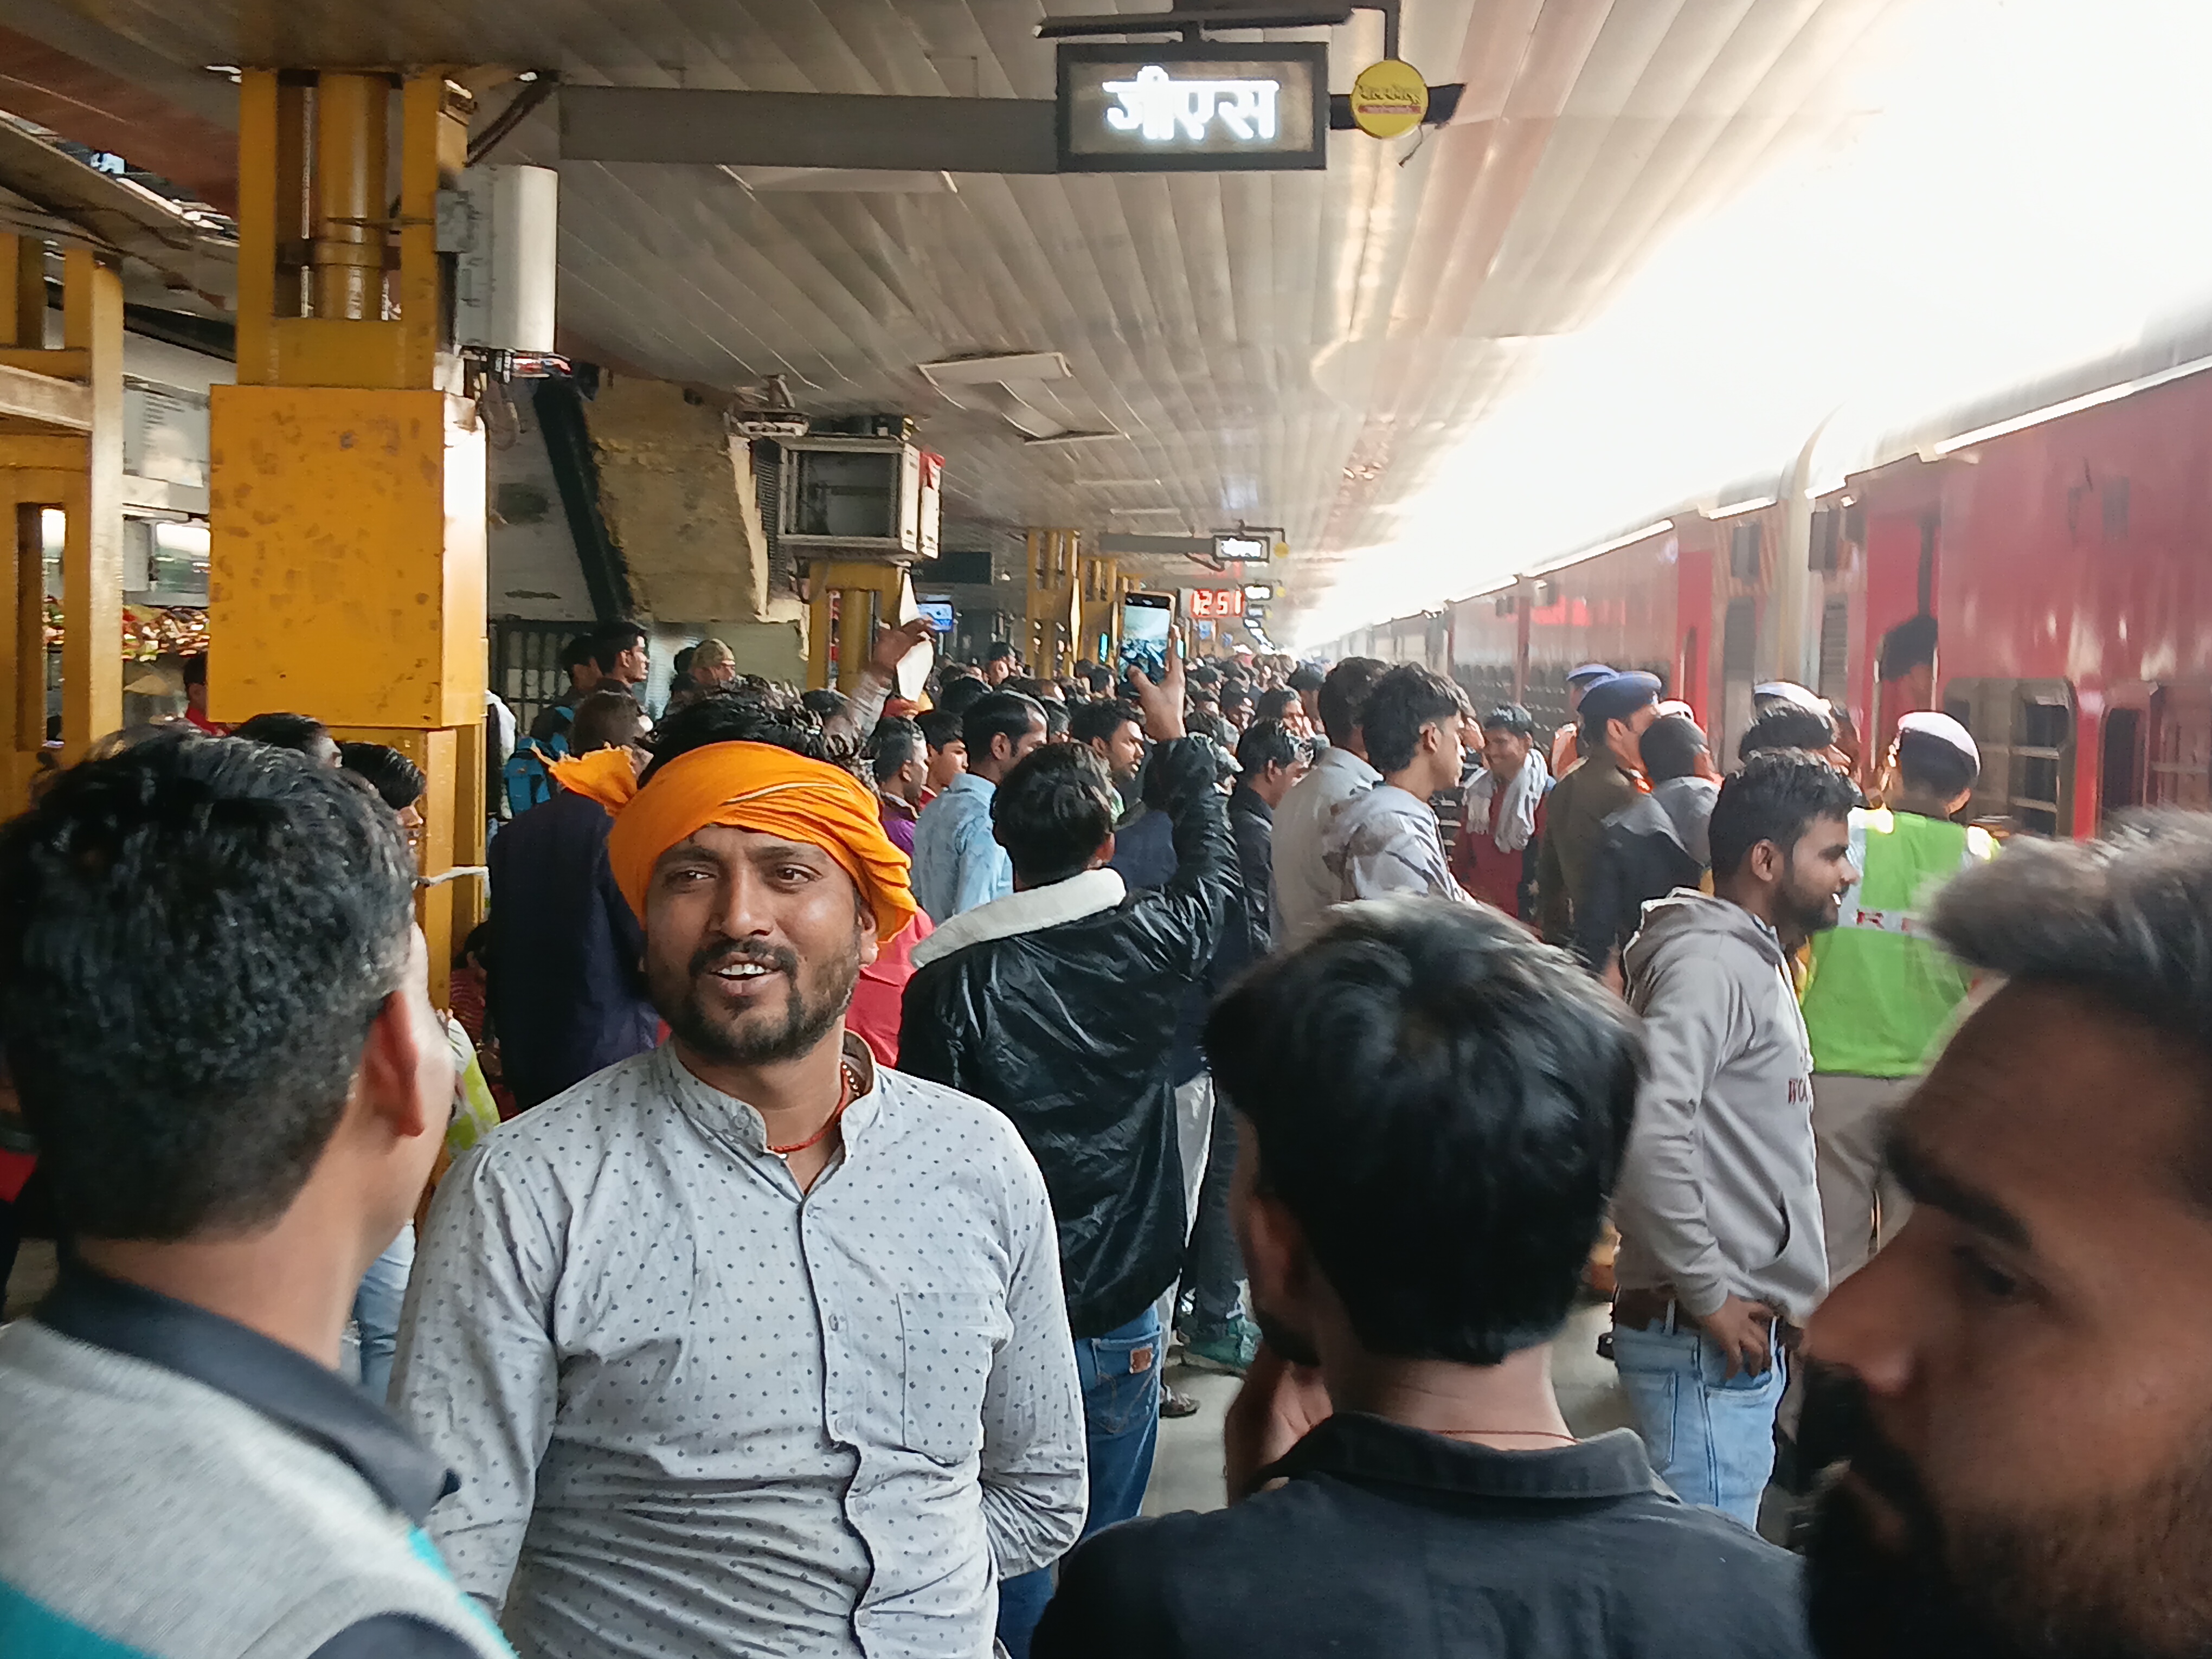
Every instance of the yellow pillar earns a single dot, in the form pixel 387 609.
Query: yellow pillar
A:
pixel 347 495
pixel 1101 607
pixel 1055 608
pixel 61 447
pixel 848 600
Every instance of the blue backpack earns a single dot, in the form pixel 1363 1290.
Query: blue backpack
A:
pixel 527 779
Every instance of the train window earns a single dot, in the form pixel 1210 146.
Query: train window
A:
pixel 1828 539
pixel 1744 544
pixel 2025 729
pixel 2181 768
pixel 1835 650
pixel 2120 778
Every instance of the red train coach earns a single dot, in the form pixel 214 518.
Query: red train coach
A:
pixel 2044 574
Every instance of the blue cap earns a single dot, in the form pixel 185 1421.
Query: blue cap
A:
pixel 1589 674
pixel 1619 695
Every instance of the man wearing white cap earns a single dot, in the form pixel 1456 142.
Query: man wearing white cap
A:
pixel 1881 995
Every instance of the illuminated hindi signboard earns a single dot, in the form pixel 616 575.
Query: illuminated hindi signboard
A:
pixel 1192 108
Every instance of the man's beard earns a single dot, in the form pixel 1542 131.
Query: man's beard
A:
pixel 1804 914
pixel 815 1005
pixel 2124 1578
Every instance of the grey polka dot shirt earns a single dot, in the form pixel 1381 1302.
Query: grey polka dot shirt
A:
pixel 698 1413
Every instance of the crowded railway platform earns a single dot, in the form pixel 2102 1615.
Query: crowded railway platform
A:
pixel 912 827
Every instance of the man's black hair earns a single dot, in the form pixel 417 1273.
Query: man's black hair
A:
pixel 1777 797
pixel 1344 696
pixel 1235 693
pixel 1052 812
pixel 826 705
pixel 744 717
pixel 1926 762
pixel 1670 747
pixel 604 720
pixel 939 726
pixel 1405 700
pixel 962 695
pixel 1055 721
pixel 999 651
pixel 300 733
pixel 1787 725
pixel 1275 705
pixel 195 937
pixel 1099 721
pixel 578 651
pixel 1268 742
pixel 1511 717
pixel 1304 677
pixel 397 780
pixel 1910 645
pixel 1441 1103
pixel 2127 918
pixel 609 643
pixel 195 671
pixel 894 745
pixel 997 714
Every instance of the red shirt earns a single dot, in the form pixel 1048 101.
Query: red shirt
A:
pixel 877 999
pixel 1493 876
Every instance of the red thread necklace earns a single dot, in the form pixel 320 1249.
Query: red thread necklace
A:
pixel 848 1089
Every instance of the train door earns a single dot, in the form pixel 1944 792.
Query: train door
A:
pixel 1739 642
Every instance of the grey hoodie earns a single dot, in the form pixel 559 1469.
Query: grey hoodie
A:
pixel 1718 1194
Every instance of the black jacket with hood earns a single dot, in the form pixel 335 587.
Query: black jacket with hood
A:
pixel 1056 1004
pixel 1650 846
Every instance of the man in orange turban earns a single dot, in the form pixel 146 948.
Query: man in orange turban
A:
pixel 800 1312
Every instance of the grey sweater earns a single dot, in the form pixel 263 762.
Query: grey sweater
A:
pixel 1717 1194
pixel 146 1514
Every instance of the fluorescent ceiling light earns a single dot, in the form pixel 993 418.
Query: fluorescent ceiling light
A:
pixel 1749 504
pixel 999 370
pixel 841 181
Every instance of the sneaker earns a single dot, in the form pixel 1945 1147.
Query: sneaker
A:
pixel 1174 1403
pixel 1231 1351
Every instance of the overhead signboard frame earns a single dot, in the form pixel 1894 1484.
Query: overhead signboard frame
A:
pixel 1193 107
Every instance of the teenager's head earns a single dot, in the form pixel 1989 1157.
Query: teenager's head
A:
pixel 1431 1108
pixel 618 649
pixel 1412 725
pixel 1112 731
pixel 999 728
pixel 948 747
pixel 2020 1384
pixel 1781 841
pixel 1273 758
pixel 1053 813
pixel 213 988
pixel 1508 731
pixel 1343 698
pixel 900 759
pixel 578 658
pixel 302 734
pixel 398 782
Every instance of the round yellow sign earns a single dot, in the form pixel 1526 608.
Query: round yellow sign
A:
pixel 1388 98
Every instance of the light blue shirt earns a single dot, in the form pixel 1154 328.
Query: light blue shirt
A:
pixel 701 1414
pixel 957 865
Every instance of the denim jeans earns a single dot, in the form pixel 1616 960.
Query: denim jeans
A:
pixel 1710 1436
pixel 1120 1376
pixel 376 1307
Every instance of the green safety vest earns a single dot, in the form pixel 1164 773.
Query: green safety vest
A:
pixel 1881 994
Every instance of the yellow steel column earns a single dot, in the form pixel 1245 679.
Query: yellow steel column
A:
pixel 92 555
pixel 348 489
pixel 1054 599
pixel 850 599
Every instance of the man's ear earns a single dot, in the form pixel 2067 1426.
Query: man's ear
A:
pixel 406 1074
pixel 1104 855
pixel 1766 861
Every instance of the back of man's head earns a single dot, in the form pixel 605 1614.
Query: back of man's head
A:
pixel 1402 701
pixel 1787 725
pixel 1671 746
pixel 195 937
pixel 580 649
pixel 1053 813
pixel 1441 1103
pixel 1776 797
pixel 1910 645
pixel 1929 765
pixel 1343 697
pixel 1267 743
pixel 303 734
pixel 1306 678
pixel 1006 715
pixel 963 694
pixel 605 719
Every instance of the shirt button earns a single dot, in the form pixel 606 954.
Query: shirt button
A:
pixel 834 1323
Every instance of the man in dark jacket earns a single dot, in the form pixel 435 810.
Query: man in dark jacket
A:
pixel 564 985
pixel 1056 1004
pixel 1655 844
pixel 1613 712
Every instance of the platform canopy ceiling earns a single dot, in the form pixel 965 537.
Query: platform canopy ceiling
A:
pixel 1294 351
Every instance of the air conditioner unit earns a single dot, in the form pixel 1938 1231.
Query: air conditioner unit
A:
pixel 860 497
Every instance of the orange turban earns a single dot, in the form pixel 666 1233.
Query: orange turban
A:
pixel 744 786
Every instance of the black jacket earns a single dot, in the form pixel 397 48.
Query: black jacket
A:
pixel 1387 1540
pixel 1066 1030
pixel 1251 822
pixel 1649 847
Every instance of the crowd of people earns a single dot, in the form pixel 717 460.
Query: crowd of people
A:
pixel 849 1104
